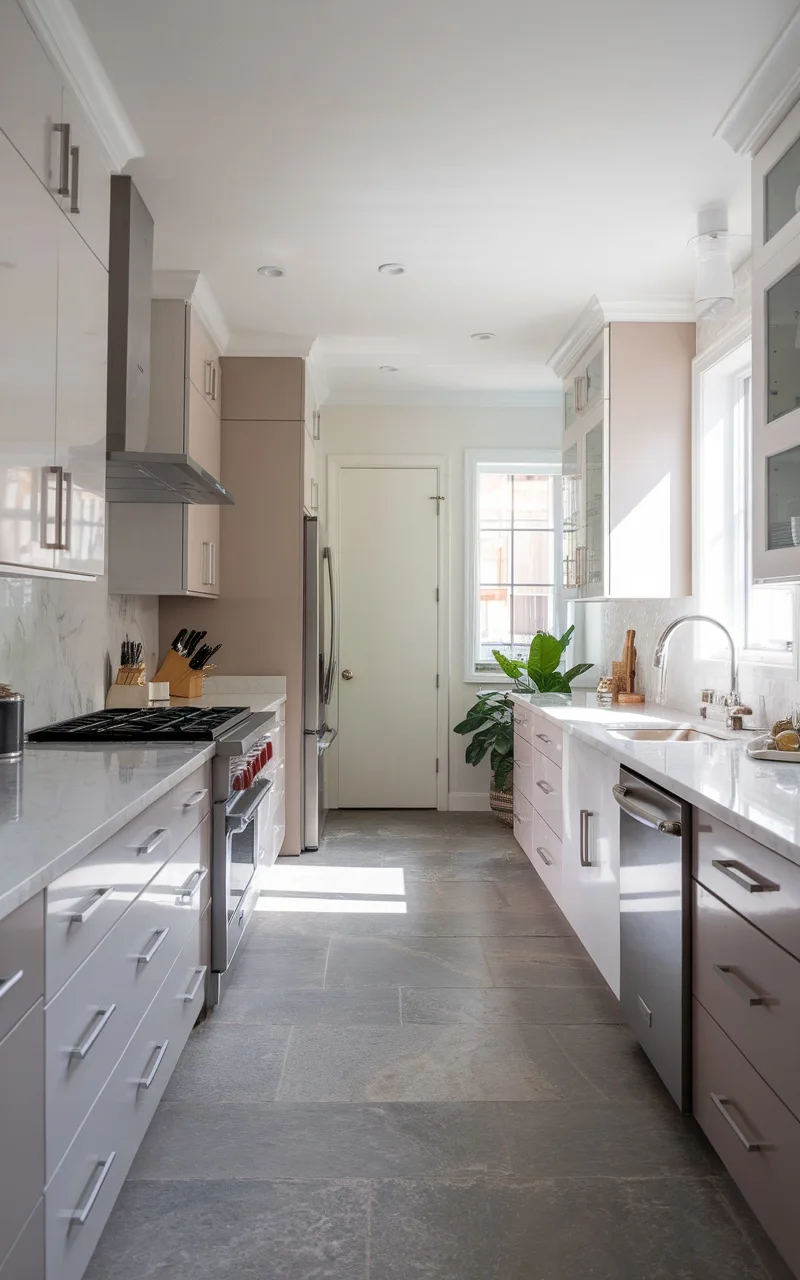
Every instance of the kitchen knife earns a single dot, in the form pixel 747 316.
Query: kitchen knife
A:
pixel 194 640
pixel 210 654
pixel 176 643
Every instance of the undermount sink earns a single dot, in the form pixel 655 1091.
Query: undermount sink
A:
pixel 678 734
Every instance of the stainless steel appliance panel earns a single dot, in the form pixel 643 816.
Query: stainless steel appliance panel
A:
pixel 655 927
pixel 319 671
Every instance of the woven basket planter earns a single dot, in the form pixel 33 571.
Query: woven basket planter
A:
pixel 501 804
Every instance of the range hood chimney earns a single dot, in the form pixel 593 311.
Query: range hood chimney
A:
pixel 135 473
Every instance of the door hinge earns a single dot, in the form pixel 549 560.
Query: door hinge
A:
pixel 437 764
pixel 438 499
pixel 437 680
pixel 437 595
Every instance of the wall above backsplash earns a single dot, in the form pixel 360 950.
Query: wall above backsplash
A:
pixel 59 638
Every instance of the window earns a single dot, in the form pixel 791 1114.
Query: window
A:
pixel 761 618
pixel 514 507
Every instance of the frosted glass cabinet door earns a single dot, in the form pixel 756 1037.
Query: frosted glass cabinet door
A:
pixel 783 345
pixel 571 516
pixel 594 471
pixel 81 403
pixel 29 230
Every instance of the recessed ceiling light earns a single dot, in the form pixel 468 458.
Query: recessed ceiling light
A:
pixel 392 269
pixel 389 368
pixel 482 337
pixel 274 273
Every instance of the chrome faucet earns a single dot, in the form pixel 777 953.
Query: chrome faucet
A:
pixel 660 663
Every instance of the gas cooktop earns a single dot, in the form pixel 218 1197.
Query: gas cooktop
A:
pixel 150 724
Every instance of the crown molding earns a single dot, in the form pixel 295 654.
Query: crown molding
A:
pixel 673 308
pixel 192 287
pixel 64 39
pixel 768 97
pixel 252 342
pixel 440 399
pixel 315 372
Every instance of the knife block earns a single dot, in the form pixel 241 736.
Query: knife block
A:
pixel 173 669
pixel 189 685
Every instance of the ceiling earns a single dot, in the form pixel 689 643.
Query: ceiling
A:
pixel 516 156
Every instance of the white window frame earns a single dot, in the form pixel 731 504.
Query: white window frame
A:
pixel 738 572
pixel 521 462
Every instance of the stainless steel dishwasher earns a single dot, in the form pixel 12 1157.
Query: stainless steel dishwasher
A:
pixel 655 927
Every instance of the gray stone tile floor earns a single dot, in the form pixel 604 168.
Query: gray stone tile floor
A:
pixel 421 1076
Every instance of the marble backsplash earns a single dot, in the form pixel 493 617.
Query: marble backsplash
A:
pixel 59 639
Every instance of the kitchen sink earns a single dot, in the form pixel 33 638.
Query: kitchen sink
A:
pixel 680 733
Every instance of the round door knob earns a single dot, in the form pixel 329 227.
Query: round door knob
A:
pixel 347 674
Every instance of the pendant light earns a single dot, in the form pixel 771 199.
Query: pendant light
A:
pixel 714 291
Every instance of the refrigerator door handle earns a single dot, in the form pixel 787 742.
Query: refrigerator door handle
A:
pixel 330 668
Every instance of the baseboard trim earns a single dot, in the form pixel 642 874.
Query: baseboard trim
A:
pixel 468 801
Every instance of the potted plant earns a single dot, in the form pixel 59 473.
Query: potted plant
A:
pixel 491 719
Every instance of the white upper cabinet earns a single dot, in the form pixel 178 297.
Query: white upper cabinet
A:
pixel 776 191
pixel 87 203
pixel 29 486
pixel 30 97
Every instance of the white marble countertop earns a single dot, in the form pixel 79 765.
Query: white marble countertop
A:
pixel 58 804
pixel 757 797
pixel 259 693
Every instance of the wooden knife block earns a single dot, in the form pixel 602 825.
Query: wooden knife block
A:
pixel 183 682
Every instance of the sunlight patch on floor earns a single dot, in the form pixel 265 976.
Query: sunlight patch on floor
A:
pixel 331 889
pixel 343 906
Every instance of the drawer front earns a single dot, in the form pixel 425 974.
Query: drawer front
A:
pixel 746 1111
pixel 756 882
pixel 92 1018
pixel 547 799
pixel 523 823
pixel 21 962
pixel 92 1173
pixel 523 722
pixel 751 987
pixel 546 855
pixel 21 1123
pixel 548 739
pixel 83 904
pixel 26 1259
pixel 523 766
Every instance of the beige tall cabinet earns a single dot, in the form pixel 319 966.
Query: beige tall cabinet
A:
pixel 258 615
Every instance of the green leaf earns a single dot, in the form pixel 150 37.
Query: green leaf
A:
pixel 545 653
pixel 574 672
pixel 476 751
pixel 506 665
pixel 567 636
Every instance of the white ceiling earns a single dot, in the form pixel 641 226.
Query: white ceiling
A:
pixel 516 155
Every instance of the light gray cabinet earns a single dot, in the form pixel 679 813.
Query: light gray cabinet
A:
pixel 87 203
pixel 30 96
pixel 21 962
pixel 21 1123
pixel 26 1259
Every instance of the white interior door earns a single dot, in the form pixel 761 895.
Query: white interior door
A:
pixel 388 573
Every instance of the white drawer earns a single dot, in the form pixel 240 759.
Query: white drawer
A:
pixel 91 1174
pixel 279 828
pixel 523 823
pixel 83 904
pixel 548 738
pixel 523 721
pixel 547 792
pixel 21 962
pixel 92 1018
pixel 523 766
pixel 546 855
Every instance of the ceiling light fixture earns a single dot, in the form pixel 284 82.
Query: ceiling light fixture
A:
pixel 392 269
pixel 481 337
pixel 714 291
pixel 389 368
pixel 274 273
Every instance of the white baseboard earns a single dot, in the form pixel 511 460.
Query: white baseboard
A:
pixel 468 801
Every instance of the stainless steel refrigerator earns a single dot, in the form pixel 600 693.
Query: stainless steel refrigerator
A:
pixel 320 623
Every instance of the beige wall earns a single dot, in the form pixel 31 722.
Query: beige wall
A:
pixel 445 432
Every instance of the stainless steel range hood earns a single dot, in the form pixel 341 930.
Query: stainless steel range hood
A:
pixel 134 472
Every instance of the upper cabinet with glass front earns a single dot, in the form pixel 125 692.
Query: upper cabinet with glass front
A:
pixel 776 356
pixel 627 459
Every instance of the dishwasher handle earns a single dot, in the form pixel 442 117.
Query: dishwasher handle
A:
pixel 649 817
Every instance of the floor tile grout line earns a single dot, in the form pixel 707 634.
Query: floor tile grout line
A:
pixel 368 1242
pixel 400 1001
pixel 574 1065
pixel 327 958
pixel 283 1068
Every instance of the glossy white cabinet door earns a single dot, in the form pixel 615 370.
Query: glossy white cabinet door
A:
pixel 29 230
pixel 81 403
pixel 30 96
pixel 88 203
pixel 590 855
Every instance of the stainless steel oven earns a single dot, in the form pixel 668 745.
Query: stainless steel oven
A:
pixel 243 775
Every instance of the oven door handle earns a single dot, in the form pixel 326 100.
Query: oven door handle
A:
pixel 238 820
pixel 649 817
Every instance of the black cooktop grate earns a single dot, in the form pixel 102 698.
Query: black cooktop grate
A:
pixel 150 724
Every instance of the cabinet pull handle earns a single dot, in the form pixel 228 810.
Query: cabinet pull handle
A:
pixel 99 1021
pixel 519 720
pixel 545 787
pixel 584 854
pixel 103 1170
pixel 213 564
pixel 7 983
pixel 545 857
pixel 58 472
pixel 63 175
pixel 66 529
pixel 208 379
pixel 95 901
pixel 200 975
pixel 147 1080
pixel 743 876
pixel 151 844
pixel 316 432
pixel 722 1105
pixel 195 798
pixel 738 984
pixel 74 206
pixel 159 936
pixel 215 383
pixel 544 738
pixel 191 886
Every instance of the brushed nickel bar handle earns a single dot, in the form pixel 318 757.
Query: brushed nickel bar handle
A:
pixel 738 984
pixel 147 1080
pixel 193 884
pixel 58 472
pixel 151 844
pixel 74 206
pixel 722 1105
pixel 96 900
pixel 545 857
pixel 544 738
pixel 195 798
pixel 190 995
pixel 545 787
pixel 100 1020
pixel 104 1168
pixel 159 937
pixel 63 177
pixel 741 875
pixel 7 983
pixel 586 860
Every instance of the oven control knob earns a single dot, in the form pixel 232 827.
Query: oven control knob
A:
pixel 264 756
pixel 239 781
pixel 270 749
